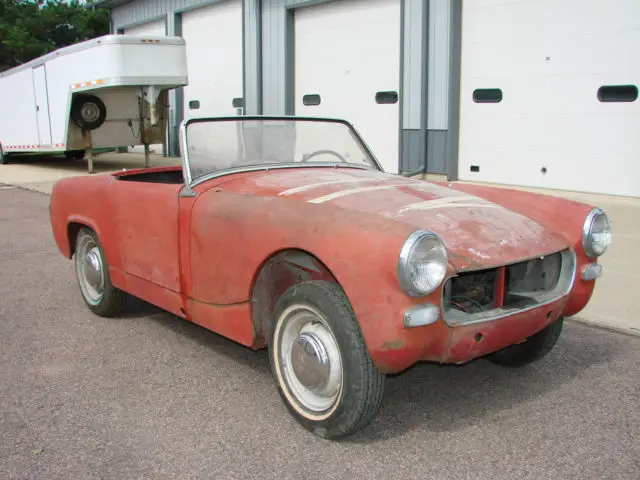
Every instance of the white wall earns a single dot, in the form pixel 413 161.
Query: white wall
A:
pixel 549 58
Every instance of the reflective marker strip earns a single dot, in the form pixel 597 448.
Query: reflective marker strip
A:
pixel 29 147
pixel 86 84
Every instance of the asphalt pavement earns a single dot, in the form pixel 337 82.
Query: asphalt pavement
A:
pixel 152 396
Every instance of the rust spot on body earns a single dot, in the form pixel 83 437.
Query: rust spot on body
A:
pixel 393 345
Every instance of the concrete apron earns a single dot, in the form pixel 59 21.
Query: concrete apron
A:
pixel 612 306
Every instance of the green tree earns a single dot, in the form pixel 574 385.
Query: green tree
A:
pixel 31 28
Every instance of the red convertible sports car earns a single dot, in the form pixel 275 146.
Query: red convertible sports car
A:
pixel 284 232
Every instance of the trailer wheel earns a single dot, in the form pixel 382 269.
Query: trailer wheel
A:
pixel 88 112
pixel 74 154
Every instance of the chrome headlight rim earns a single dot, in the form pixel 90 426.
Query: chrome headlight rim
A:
pixel 405 256
pixel 587 231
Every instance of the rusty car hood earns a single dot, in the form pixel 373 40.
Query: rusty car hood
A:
pixel 477 233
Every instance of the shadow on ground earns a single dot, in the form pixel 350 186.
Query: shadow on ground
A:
pixel 438 398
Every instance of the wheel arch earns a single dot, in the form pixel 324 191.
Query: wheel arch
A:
pixel 74 225
pixel 278 272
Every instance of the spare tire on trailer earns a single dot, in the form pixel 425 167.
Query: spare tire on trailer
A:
pixel 88 111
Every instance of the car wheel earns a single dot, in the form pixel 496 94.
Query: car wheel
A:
pixel 92 274
pixel 532 349
pixel 320 363
pixel 88 111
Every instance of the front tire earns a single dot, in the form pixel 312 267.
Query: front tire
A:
pixel 532 349
pixel 92 273
pixel 320 363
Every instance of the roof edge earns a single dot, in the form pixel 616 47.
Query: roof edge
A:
pixel 110 3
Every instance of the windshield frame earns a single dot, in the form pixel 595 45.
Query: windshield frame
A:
pixel 184 151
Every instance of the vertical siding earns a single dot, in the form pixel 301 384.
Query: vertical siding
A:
pixel 439 61
pixel 141 11
pixel 413 63
pixel 273 57
pixel 252 57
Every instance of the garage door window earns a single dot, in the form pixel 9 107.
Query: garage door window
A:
pixel 387 97
pixel 311 100
pixel 618 93
pixel 487 95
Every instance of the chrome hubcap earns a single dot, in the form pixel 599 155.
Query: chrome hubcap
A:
pixel 93 269
pixel 310 359
pixel 90 269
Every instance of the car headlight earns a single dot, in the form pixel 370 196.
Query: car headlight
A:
pixel 596 233
pixel 422 264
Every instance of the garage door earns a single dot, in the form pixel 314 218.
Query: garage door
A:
pixel 549 94
pixel 347 64
pixel 214 57
pixel 150 28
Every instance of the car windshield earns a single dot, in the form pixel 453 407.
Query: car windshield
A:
pixel 217 145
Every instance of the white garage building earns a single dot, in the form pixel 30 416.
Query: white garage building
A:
pixel 540 93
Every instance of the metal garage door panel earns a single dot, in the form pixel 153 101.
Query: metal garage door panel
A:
pixel 157 27
pixel 213 36
pixel 550 130
pixel 346 52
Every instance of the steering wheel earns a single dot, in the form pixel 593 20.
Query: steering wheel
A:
pixel 320 152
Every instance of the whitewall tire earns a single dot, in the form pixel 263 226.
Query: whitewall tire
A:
pixel 320 363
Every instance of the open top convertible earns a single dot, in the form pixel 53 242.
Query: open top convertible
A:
pixel 285 233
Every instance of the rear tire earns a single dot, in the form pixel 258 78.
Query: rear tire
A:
pixel 319 361
pixel 92 274
pixel 531 350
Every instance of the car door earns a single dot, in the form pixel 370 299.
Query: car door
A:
pixel 145 219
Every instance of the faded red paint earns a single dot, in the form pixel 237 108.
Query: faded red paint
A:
pixel 198 257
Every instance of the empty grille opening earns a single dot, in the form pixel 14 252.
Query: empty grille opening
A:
pixel 471 292
pixel 526 280
pixel 478 294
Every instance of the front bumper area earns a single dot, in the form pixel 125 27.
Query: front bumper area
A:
pixel 469 342
pixel 441 343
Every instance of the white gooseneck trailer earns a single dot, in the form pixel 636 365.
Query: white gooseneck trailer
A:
pixel 105 92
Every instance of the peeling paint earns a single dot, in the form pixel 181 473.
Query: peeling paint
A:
pixel 393 345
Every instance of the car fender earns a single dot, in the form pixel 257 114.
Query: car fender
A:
pixel 563 215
